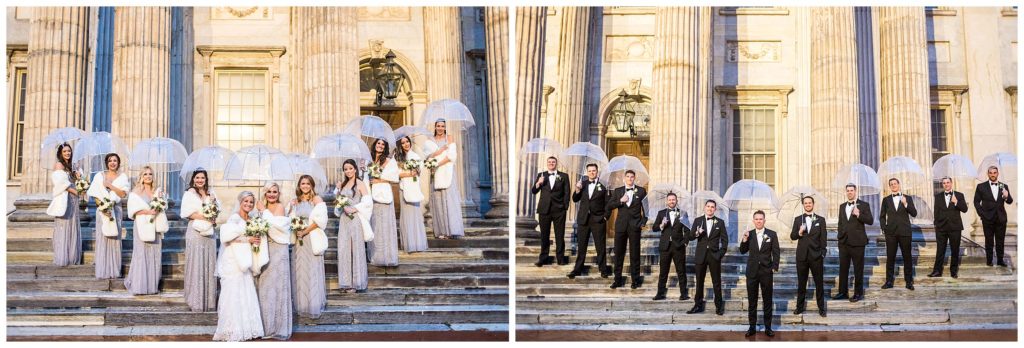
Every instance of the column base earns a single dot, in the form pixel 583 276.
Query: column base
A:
pixel 499 209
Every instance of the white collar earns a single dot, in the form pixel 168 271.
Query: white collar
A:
pixel 552 173
pixel 709 218
pixel 761 231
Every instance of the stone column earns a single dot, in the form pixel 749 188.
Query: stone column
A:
pixel 444 61
pixel 142 52
pixel 834 96
pixel 531 29
pixel 497 98
pixel 904 122
pixel 56 95
pixel 682 97
pixel 329 59
pixel 568 116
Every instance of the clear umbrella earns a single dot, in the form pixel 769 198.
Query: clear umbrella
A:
pixel 925 214
pixel 162 154
pixel 659 193
pixel 858 174
pixel 449 110
pixel 213 159
pixel 577 156
pixel 340 146
pixel 1006 162
pixel 698 199
pixel 48 147
pixel 617 167
pixel 371 127
pixel 750 194
pixel 95 146
pixel 260 164
pixel 791 204
pixel 419 136
pixel 954 166
pixel 304 165
pixel 908 171
pixel 539 149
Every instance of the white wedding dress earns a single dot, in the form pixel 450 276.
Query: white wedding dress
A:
pixel 238 307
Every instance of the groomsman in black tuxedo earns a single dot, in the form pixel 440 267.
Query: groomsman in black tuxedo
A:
pixel 809 232
pixel 894 219
pixel 712 243
pixel 553 186
pixel 672 246
pixel 990 199
pixel 629 201
pixel 949 205
pixel 762 263
pixel 854 214
pixel 590 197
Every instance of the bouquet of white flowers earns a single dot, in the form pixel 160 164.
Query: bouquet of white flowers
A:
pixel 374 170
pixel 257 227
pixel 431 164
pixel 106 206
pixel 158 204
pixel 341 202
pixel 81 184
pixel 412 165
pixel 299 223
pixel 211 210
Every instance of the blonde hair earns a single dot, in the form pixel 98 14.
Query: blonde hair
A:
pixel 267 188
pixel 141 184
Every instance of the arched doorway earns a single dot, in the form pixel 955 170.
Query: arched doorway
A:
pixel 397 113
pixel 631 139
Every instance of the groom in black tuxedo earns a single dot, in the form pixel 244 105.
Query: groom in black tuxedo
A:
pixel 553 186
pixel 990 199
pixel 672 246
pixel 712 243
pixel 629 201
pixel 854 214
pixel 894 220
pixel 811 247
pixel 949 205
pixel 591 197
pixel 762 263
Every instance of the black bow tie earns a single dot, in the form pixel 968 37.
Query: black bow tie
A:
pixel 674 210
pixel 630 189
pixel 809 215
pixel 993 183
pixel 948 194
pixel 851 203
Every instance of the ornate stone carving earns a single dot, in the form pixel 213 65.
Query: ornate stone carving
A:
pixel 384 14
pixel 626 48
pixel 753 51
pixel 237 12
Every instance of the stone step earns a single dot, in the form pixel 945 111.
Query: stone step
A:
pixel 177 243
pixel 831 270
pixel 938 291
pixel 32 230
pixel 781 304
pixel 178 257
pixel 382 282
pixel 737 281
pixel 497 332
pixel 740 318
pixel 527 260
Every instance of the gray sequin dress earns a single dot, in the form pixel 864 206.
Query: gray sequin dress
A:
pixel 108 249
pixel 200 270
pixel 446 208
pixel 144 271
pixel 384 246
pixel 352 273
pixel 274 287
pixel 309 285
pixel 411 227
pixel 67 234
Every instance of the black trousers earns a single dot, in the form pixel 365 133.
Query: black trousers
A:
pixel 996 232
pixel 715 266
pixel 762 281
pixel 942 238
pixel 903 243
pixel 668 257
pixel 817 269
pixel 631 236
pixel 585 232
pixel 848 254
pixel 546 220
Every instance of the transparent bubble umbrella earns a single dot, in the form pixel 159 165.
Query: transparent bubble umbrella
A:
pixel 213 159
pixel 657 196
pixel 791 204
pixel 699 198
pixel 956 167
pixel 577 156
pixel 418 134
pixel 858 174
pixel 908 171
pixel 304 165
pixel 750 194
pixel 537 150
pixel 925 214
pixel 339 147
pixel 449 110
pixel 617 167
pixel 95 146
pixel 258 164
pixel 1005 162
pixel 162 154
pixel 48 147
pixel 372 128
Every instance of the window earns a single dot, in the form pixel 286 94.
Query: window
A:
pixel 242 111
pixel 940 134
pixel 753 143
pixel 17 136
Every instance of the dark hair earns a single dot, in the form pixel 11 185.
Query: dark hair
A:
pixel 356 176
pixel 107 159
pixel 671 194
pixel 192 181
pixel 759 212
pixel 383 156
pixel 711 201
pixel 851 185
pixel 592 165
pixel 66 164
pixel 298 186
pixel 440 121
pixel 400 154
pixel 629 171
pixel 891 179
pixel 806 197
pixel 554 158
pixel 946 178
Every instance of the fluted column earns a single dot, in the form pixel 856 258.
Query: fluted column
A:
pixel 531 29
pixel 329 56
pixel 57 81
pixel 682 97
pixel 497 109
pixel 142 52
pixel 444 60
pixel 568 118
pixel 834 95
pixel 904 122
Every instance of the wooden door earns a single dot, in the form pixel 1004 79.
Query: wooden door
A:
pixel 639 148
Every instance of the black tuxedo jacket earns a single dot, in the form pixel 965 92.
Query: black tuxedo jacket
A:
pixel 715 241
pixel 812 245
pixel 675 235
pixel 991 209
pixel 895 219
pixel 948 218
pixel 765 257
pixel 552 200
pixel 590 206
pixel 851 228
pixel 632 215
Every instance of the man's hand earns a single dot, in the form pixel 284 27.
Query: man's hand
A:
pixel 856 211
pixel 746 235
pixel 624 199
pixel 540 180
pixel 802 229
pixel 952 199
pixel 903 199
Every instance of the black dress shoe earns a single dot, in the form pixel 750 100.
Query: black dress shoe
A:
pixel 769 332
pixel 661 295
pixel 750 332
pixel 856 298
pixel 605 273
pixel 697 308
pixel 618 283
pixel 684 297
pixel 954 275
pixel 573 275
pixel 636 282
pixel 887 285
pixel 840 297
pixel 798 311
pixel 563 261
pixel 822 313
pixel 720 310
pixel 910 286
pixel 989 263
pixel 934 274
pixel 1002 264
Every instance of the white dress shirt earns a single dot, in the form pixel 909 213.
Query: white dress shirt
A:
pixel 849 208
pixel 760 238
pixel 590 189
pixel 948 195
pixel 809 222
pixel 994 186
pixel 630 191
pixel 552 176
pixel 896 200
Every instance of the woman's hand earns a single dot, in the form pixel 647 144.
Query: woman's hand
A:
pixel 72 191
pixel 255 240
pixel 350 210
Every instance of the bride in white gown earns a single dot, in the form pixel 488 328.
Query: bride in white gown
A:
pixel 238 308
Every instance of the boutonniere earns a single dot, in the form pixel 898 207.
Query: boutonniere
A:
pixel 597 187
pixel 767 239
pixel 816 224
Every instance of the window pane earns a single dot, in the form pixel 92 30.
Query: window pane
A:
pixel 241 108
pixel 754 144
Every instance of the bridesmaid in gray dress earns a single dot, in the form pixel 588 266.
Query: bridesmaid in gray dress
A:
pixel 274 283
pixel 352 273
pixel 384 246
pixel 411 226
pixel 309 287
pixel 144 272
pixel 67 237
pixel 108 249
pixel 200 251
pixel 445 205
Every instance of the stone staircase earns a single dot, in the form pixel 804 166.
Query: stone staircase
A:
pixel 455 287
pixel 981 298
